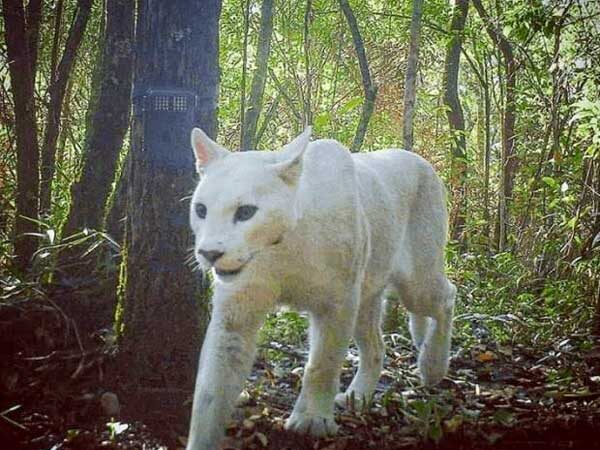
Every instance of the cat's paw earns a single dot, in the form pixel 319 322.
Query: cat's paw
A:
pixel 316 426
pixel 433 368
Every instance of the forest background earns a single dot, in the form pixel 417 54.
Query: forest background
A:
pixel 502 97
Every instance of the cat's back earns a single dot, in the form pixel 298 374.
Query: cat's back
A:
pixel 328 176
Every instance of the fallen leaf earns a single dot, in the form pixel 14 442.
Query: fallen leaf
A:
pixel 486 356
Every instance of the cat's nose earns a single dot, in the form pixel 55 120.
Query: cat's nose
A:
pixel 211 255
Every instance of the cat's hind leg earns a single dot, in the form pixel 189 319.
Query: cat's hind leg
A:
pixel 434 353
pixel 418 325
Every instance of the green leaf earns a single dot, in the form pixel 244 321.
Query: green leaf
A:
pixel 350 105
pixel 322 119
pixel 551 182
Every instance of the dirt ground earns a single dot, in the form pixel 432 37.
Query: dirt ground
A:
pixel 55 394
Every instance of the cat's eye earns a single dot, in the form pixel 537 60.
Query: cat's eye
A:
pixel 201 210
pixel 244 212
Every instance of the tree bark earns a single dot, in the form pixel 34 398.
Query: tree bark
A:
pixel 455 115
pixel 33 19
pixel 508 157
pixel 259 79
pixel 410 85
pixel 487 109
pixel 246 12
pixel 370 90
pixel 308 115
pixel 56 38
pixel 21 54
pixel 58 88
pixel 164 306
pixel 109 120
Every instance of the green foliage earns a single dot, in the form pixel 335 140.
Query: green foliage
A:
pixel 586 119
pixel 283 327
pixel 426 417
pixel 81 245
pixel 507 298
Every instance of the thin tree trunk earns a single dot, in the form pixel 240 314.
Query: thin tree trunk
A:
pixel 268 117
pixel 259 79
pixel 455 116
pixel 56 39
pixel 109 120
pixel 487 111
pixel 370 90
pixel 20 55
pixel 57 94
pixel 410 85
pixel 246 10
pixel 484 132
pixel 508 157
pixel 308 74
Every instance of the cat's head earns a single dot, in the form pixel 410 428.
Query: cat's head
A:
pixel 244 203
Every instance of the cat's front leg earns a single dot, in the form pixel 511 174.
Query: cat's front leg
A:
pixel 329 336
pixel 225 362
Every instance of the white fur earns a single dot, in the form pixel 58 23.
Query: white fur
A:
pixel 332 232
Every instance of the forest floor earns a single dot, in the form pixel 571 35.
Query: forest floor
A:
pixel 52 395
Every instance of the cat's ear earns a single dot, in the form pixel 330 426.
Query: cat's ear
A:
pixel 205 149
pixel 290 168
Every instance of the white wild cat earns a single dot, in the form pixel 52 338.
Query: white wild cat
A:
pixel 318 229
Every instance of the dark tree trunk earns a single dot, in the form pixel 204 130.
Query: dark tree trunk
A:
pixel 370 90
pixel 57 89
pixel 58 11
pixel 109 121
pixel 21 55
pixel 410 85
pixel 508 157
pixel 259 79
pixel 455 115
pixel 164 308
pixel 33 18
